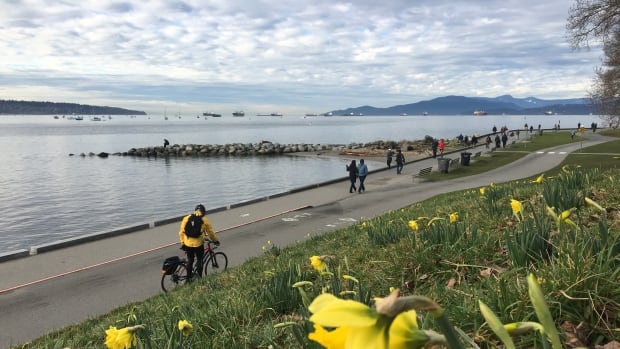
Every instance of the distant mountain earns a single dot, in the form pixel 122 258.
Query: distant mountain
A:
pixel 50 108
pixel 460 105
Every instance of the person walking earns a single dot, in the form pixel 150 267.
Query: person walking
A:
pixel 441 146
pixel 390 154
pixel 192 233
pixel 504 140
pixel 166 143
pixel 434 146
pixel 498 142
pixel 487 141
pixel 362 172
pixel 352 168
pixel 400 161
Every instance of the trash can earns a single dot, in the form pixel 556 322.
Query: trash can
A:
pixel 443 165
pixel 465 157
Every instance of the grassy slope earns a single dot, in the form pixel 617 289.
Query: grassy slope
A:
pixel 454 264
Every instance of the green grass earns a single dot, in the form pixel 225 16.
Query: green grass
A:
pixel 485 255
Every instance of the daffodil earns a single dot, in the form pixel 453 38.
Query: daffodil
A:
pixel 454 217
pixel 124 338
pixel 185 327
pixel 539 179
pixel 364 325
pixel 357 325
pixel 517 208
pixel 482 190
pixel 317 263
pixel 413 225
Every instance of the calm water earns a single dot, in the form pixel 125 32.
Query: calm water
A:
pixel 47 195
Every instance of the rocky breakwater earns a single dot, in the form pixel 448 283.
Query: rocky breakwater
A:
pixel 264 148
pixel 233 149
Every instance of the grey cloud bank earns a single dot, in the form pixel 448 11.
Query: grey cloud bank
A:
pixel 286 56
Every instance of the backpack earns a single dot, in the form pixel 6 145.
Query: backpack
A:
pixel 170 265
pixel 193 225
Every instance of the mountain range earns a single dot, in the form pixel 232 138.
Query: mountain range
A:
pixel 461 105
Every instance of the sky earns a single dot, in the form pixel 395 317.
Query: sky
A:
pixel 286 56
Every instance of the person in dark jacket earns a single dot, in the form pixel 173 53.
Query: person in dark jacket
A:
pixel 390 154
pixel 362 172
pixel 504 140
pixel 194 246
pixel 352 168
pixel 498 142
pixel 400 161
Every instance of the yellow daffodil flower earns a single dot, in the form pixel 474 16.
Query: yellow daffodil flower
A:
pixel 185 327
pixel 517 208
pixel 317 263
pixel 121 339
pixel 413 225
pixel 359 326
pixel 365 326
pixel 454 217
pixel 539 179
pixel 482 190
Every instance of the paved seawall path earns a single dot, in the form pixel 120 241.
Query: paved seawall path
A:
pixel 47 291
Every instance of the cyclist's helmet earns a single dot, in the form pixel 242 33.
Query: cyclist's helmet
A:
pixel 201 208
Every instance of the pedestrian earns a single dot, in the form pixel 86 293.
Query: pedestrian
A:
pixel 474 140
pixel 192 235
pixel 166 143
pixel 572 135
pixel 390 154
pixel 531 128
pixel 441 146
pixel 362 172
pixel 434 146
pixel 498 142
pixel 352 168
pixel 494 129
pixel 518 132
pixel 400 161
pixel 504 140
pixel 487 141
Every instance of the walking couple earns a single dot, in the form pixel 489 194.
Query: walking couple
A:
pixel 356 171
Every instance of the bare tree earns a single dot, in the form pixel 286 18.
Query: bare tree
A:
pixel 598 21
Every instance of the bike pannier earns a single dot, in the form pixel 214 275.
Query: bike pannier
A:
pixel 170 265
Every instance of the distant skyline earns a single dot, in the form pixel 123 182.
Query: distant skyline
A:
pixel 286 56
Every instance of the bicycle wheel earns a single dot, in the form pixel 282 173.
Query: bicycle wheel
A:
pixel 216 263
pixel 171 281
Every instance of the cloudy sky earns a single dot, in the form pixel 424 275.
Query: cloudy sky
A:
pixel 290 56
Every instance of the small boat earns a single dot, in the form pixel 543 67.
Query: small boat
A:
pixel 79 118
pixel 479 112
pixel 239 113
pixel 215 115
pixel 95 118
pixel 425 113
pixel 403 114
pixel 548 112
pixel 56 117
pixel 310 114
pixel 328 114
pixel 275 114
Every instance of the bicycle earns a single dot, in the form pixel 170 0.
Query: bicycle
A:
pixel 175 268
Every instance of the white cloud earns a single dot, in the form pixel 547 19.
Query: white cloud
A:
pixel 287 55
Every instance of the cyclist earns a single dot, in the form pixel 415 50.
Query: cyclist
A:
pixel 192 235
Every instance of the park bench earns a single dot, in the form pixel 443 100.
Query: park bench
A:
pixel 422 173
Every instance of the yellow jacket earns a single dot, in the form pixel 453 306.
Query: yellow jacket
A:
pixel 199 241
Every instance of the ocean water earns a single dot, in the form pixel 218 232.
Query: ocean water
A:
pixel 47 195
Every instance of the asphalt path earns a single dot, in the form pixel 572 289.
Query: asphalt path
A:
pixel 48 291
